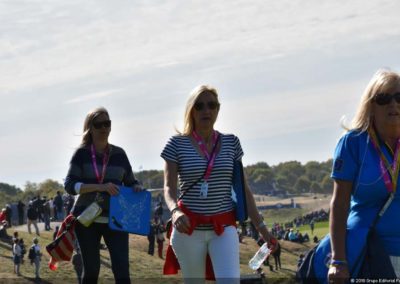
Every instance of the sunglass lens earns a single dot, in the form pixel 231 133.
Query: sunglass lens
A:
pixel 100 124
pixel 107 124
pixel 397 97
pixel 212 105
pixel 383 99
pixel 199 106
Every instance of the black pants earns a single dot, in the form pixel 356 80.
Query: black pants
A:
pixel 118 246
pixel 152 240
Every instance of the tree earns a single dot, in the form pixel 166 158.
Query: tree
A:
pixel 8 189
pixel 327 184
pixel 315 187
pixel 302 184
pixel 49 188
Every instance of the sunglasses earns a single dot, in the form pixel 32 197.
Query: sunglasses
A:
pixel 100 124
pixel 199 106
pixel 385 99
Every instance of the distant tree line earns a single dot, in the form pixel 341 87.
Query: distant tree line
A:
pixel 290 178
pixel 285 178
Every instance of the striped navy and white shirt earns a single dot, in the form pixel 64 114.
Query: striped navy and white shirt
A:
pixel 191 166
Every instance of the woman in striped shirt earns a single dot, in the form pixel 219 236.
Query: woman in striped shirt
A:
pixel 203 215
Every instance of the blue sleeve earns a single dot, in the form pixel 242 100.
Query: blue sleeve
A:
pixel 345 158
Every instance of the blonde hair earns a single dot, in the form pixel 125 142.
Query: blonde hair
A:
pixel 188 123
pixel 383 81
pixel 86 136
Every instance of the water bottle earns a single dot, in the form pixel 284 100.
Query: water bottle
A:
pixel 259 257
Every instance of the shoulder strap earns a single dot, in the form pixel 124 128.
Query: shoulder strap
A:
pixel 383 210
pixel 377 217
pixel 193 184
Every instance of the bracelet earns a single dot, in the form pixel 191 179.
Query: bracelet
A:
pixel 176 208
pixel 335 262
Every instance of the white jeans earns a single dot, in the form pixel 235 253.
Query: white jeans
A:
pixel 191 252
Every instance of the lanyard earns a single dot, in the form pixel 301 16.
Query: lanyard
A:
pixel 384 165
pixel 203 148
pixel 94 163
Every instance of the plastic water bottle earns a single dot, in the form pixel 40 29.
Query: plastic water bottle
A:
pixel 259 257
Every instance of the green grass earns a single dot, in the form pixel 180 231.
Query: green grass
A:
pixel 282 215
pixel 148 269
pixel 320 229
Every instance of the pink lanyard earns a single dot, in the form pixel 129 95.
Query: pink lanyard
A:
pixel 203 148
pixel 384 165
pixel 94 163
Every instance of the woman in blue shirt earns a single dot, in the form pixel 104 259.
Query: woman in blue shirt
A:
pixel 365 171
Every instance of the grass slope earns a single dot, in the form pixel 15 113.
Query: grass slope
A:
pixel 148 269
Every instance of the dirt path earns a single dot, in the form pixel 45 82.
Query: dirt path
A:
pixel 24 228
pixel 310 202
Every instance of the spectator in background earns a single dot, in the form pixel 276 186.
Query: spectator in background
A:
pixel 58 207
pixel 312 226
pixel 37 204
pixel 159 233
pixel 8 215
pixel 23 249
pixel 21 212
pixel 16 256
pixel 15 236
pixel 38 257
pixel 151 238
pixel 46 215
pixel 32 218
pixel 52 210
pixel 292 236
pixel 277 257
pixel 158 211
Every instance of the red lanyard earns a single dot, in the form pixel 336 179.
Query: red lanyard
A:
pixel 384 165
pixel 105 162
pixel 203 148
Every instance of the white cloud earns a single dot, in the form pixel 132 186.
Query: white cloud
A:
pixel 284 69
pixel 92 96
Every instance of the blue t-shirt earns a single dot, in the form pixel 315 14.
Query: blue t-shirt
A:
pixel 356 160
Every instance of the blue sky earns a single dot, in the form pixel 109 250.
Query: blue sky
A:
pixel 286 71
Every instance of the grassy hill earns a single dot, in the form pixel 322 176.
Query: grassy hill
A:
pixel 148 268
